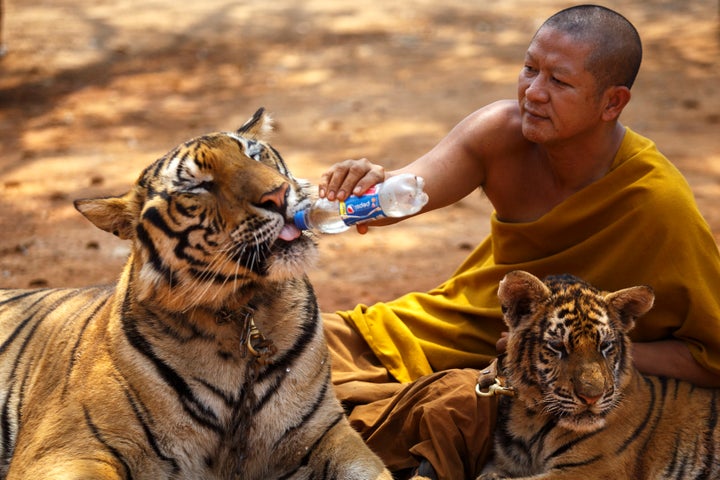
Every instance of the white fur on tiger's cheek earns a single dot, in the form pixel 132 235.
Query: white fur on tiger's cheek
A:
pixel 179 168
pixel 149 275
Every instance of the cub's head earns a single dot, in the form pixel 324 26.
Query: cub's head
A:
pixel 210 219
pixel 568 352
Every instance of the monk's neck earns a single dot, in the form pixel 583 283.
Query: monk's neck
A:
pixel 574 167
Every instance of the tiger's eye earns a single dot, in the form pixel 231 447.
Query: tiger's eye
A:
pixel 606 348
pixel 557 346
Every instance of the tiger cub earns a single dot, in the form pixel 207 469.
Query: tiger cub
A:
pixel 581 409
pixel 206 360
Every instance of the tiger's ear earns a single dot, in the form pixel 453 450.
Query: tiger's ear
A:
pixel 258 126
pixel 630 304
pixel 111 214
pixel 518 292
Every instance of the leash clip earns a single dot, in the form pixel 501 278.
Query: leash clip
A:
pixel 496 388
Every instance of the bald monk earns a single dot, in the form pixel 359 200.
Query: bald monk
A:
pixel 574 191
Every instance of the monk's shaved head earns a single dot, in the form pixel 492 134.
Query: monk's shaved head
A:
pixel 616 49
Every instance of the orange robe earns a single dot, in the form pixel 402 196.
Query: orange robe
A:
pixel 637 225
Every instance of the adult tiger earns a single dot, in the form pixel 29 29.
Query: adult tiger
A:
pixel 581 409
pixel 206 360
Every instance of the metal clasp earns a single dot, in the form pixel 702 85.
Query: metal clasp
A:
pixel 496 388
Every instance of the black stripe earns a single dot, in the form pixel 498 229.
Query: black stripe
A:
pixel 677 449
pixel 99 437
pixel 191 405
pixel 650 429
pixel 7 441
pixel 567 446
pixel 78 340
pixel 278 369
pixel 562 466
pixel 280 162
pixel 22 294
pixel 183 245
pixel 217 278
pixel 154 257
pixel 660 410
pixel 306 459
pixel 242 255
pixel 643 424
pixel 21 326
pixel 309 414
pixel 326 469
pixel 149 434
pixel 228 399
pixel 710 446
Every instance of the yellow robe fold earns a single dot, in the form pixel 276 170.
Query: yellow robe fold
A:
pixel 637 225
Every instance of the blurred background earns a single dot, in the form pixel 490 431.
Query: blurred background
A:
pixel 92 91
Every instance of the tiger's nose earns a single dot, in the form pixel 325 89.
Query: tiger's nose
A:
pixel 589 399
pixel 275 199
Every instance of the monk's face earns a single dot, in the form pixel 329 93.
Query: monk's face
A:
pixel 557 95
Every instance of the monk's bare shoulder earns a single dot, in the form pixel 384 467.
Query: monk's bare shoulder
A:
pixel 494 130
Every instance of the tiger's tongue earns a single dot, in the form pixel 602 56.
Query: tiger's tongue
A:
pixel 289 232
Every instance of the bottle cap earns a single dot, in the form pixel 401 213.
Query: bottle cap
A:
pixel 299 219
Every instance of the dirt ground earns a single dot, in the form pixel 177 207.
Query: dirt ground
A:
pixel 91 91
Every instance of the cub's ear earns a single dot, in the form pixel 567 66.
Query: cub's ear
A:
pixel 630 304
pixel 518 292
pixel 258 126
pixel 111 214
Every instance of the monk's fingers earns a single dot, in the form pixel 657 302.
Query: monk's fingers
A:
pixel 349 177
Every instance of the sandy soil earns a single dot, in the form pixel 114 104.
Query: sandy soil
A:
pixel 91 91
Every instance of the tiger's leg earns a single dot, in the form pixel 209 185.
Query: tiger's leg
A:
pixel 344 455
pixel 49 467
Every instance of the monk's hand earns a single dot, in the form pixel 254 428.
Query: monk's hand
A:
pixel 349 177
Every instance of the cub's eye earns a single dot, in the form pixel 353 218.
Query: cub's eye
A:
pixel 606 348
pixel 557 347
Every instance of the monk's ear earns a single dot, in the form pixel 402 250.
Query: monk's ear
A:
pixel 615 99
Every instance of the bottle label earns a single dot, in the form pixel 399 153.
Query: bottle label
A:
pixel 361 209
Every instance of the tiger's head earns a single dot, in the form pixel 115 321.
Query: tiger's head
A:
pixel 568 351
pixel 210 219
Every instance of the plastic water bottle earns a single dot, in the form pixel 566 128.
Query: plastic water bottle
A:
pixel 398 196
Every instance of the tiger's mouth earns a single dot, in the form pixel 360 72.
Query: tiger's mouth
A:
pixel 586 421
pixel 289 232
pixel 291 253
